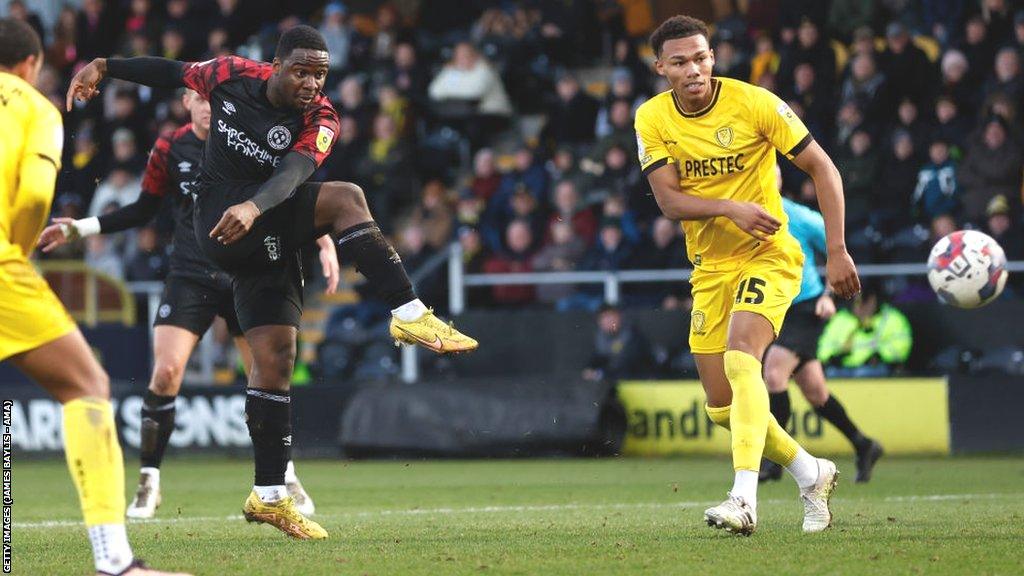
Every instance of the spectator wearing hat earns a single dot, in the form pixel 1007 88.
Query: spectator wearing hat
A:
pixel 905 66
pixel 991 167
pixel 1003 228
pixel 954 69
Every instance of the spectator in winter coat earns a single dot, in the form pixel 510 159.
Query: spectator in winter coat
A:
pixel 991 167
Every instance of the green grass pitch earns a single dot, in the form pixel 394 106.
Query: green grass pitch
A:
pixel 614 516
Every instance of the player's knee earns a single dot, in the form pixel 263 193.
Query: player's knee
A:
pixel 775 380
pixel 167 378
pixel 93 383
pixel 346 197
pixel 816 396
pixel 278 362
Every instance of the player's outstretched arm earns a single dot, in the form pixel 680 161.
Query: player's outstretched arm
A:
pixel 64 230
pixel 840 269
pixel 146 70
pixel 676 204
pixel 237 220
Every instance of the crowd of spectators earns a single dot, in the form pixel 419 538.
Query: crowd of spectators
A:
pixel 506 125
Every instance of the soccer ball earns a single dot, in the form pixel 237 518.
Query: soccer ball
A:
pixel 967 269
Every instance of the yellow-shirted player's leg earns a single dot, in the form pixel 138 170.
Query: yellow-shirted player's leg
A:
pixel 749 417
pixel 94 459
pixel 779 446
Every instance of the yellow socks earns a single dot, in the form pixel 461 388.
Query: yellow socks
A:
pixel 94 459
pixel 779 446
pixel 749 418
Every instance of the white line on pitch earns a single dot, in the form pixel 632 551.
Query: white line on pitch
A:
pixel 499 509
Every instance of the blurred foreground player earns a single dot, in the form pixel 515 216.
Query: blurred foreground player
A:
pixel 707 147
pixel 36 333
pixel 795 353
pixel 271 127
pixel 195 293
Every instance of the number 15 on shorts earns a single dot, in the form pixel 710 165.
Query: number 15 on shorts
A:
pixel 751 291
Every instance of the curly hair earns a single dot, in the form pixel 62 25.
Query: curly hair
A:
pixel 299 37
pixel 677 27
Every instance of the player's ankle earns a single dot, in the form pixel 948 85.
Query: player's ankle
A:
pixel 410 311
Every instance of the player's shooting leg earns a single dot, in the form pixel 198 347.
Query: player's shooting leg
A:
pixel 66 368
pixel 341 207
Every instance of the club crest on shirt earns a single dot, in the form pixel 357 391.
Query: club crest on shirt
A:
pixel 724 136
pixel 279 137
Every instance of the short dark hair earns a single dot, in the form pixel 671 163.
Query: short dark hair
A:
pixel 299 37
pixel 18 41
pixel 677 27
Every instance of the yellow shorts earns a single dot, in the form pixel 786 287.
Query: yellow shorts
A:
pixel 30 313
pixel 765 284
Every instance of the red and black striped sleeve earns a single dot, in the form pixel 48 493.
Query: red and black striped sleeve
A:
pixel 319 132
pixel 204 76
pixel 157 180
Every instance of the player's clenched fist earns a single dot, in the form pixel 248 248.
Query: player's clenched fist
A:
pixel 84 84
pixel 235 223
pixel 753 219
pixel 842 274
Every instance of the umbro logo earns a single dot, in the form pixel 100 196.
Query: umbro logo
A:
pixel 228 108
pixel 185 166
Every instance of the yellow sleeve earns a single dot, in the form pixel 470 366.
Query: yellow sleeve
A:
pixel 45 134
pixel 779 124
pixel 40 161
pixel 650 146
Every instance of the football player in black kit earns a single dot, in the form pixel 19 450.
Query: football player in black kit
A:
pixel 195 292
pixel 271 127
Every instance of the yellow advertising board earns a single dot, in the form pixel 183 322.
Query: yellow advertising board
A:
pixel 907 415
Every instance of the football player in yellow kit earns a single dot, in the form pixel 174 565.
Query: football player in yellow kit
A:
pixel 36 333
pixel 707 147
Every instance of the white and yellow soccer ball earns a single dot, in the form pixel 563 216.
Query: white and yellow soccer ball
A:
pixel 967 269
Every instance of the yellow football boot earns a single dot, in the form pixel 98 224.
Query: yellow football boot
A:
pixel 431 333
pixel 282 515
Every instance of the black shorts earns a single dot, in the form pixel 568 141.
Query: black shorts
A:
pixel 190 304
pixel 801 331
pixel 264 264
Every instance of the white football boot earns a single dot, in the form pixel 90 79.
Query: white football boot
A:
pixel 817 514
pixel 734 515
pixel 147 498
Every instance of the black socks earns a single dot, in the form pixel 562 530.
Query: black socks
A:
pixel 834 412
pixel 778 403
pixel 157 425
pixel 269 418
pixel 364 246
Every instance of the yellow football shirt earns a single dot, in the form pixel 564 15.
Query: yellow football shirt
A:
pixel 725 151
pixel 32 128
